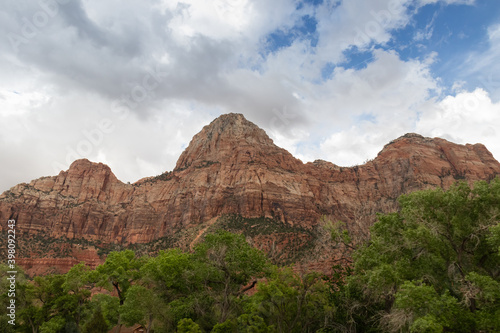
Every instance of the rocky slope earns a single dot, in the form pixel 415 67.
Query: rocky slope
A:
pixel 233 167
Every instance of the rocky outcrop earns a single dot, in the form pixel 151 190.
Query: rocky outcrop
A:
pixel 38 265
pixel 232 166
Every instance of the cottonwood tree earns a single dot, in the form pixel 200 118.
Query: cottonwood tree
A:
pixel 291 302
pixel 117 274
pixel 229 267
pixel 434 265
pixel 76 287
pixel 173 278
pixel 143 306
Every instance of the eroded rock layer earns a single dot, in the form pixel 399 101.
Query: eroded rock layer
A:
pixel 233 167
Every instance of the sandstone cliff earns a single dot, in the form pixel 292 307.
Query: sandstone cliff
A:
pixel 233 167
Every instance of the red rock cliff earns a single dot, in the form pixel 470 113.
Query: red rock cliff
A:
pixel 232 166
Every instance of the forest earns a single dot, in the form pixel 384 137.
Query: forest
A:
pixel 431 266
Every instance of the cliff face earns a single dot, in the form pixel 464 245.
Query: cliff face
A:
pixel 232 166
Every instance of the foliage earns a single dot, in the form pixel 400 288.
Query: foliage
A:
pixel 187 325
pixel 141 306
pixel 97 323
pixel 107 305
pixel 351 312
pixel 118 272
pixel 434 264
pixel 171 276
pixel 293 303
pixel 5 327
pixel 55 324
pixel 227 264
pixel 246 323
pixel 424 308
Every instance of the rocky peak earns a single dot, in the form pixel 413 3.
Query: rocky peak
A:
pixel 412 135
pixel 407 138
pixel 83 167
pixel 324 164
pixel 224 138
pixel 235 126
pixel 83 171
pixel 84 179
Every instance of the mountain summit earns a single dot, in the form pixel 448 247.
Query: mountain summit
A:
pixel 231 137
pixel 231 168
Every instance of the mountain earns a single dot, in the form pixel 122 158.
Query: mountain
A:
pixel 231 175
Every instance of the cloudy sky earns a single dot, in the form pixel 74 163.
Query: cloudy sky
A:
pixel 128 83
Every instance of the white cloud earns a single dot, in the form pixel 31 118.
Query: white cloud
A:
pixel 448 2
pixel 467 117
pixel 357 23
pixel 211 58
pixel 134 148
pixel 355 145
pixel 494 33
pixel 388 88
pixel 483 68
pixel 364 109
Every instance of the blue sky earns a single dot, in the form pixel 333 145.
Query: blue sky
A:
pixel 450 31
pixel 129 83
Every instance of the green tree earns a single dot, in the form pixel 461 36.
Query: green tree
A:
pixel 170 274
pixel 419 308
pixel 187 325
pixel 106 305
pixel 117 274
pixel 351 312
pixel 48 299
pixel 55 324
pixel 97 323
pixel 30 313
pixel 293 303
pixel 229 267
pixel 77 292
pixel 142 306
pixel 57 301
pixel 173 277
pixel 253 323
pixel 5 327
pixel 439 251
pixel 246 323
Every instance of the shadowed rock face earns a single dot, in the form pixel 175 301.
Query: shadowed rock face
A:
pixel 232 166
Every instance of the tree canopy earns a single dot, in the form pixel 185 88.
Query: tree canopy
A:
pixel 435 263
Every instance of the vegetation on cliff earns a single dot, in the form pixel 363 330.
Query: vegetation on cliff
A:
pixel 432 266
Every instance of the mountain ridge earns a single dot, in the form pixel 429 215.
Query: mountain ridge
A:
pixel 232 167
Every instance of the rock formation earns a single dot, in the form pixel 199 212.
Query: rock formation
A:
pixel 233 167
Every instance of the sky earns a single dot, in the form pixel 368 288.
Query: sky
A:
pixel 129 83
